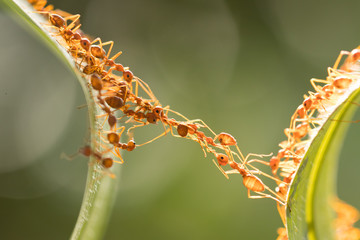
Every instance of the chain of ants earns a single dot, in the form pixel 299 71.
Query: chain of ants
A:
pixel 116 93
pixel 120 93
pixel 303 121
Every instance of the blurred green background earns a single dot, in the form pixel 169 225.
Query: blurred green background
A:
pixel 241 66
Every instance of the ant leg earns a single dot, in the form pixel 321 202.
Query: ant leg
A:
pixel 205 125
pixel 76 28
pixel 313 82
pixel 230 153
pixel 138 121
pixel 282 213
pixel 40 5
pixel 136 88
pixel 259 172
pixel 110 49
pixel 295 115
pixel 145 87
pixel 82 106
pixel 106 172
pixel 135 126
pixel 202 145
pixel 68 157
pixel 162 121
pixel 263 195
pixel 357 104
pixel 346 121
pixel 117 153
pixel 62 13
pixel 172 132
pixel 148 88
pixel 179 114
pixel 253 155
pixel 333 73
pixel 196 139
pixel 342 53
pixel 122 130
pixel 96 40
pixel 74 19
pixel 116 55
pixel 232 171
pixel 111 43
pixel 161 135
pixel 242 156
pixel 101 116
pixel 120 133
pixel 313 121
pixel 49 8
pixel 259 161
pixel 48 25
pixel 308 117
pixel 275 194
pixel 166 108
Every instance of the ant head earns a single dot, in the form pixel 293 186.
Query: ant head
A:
pixel 86 151
pixel 158 111
pixel 307 103
pixel 274 164
pixel 131 145
pixel 222 159
pixel 85 44
pixel 128 75
pixel 151 118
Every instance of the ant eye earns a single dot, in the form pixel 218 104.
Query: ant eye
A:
pixel 85 43
pixel 128 75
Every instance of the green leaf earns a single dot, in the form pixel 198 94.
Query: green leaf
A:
pixel 309 210
pixel 100 189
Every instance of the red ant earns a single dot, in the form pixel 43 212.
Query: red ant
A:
pixel 250 181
